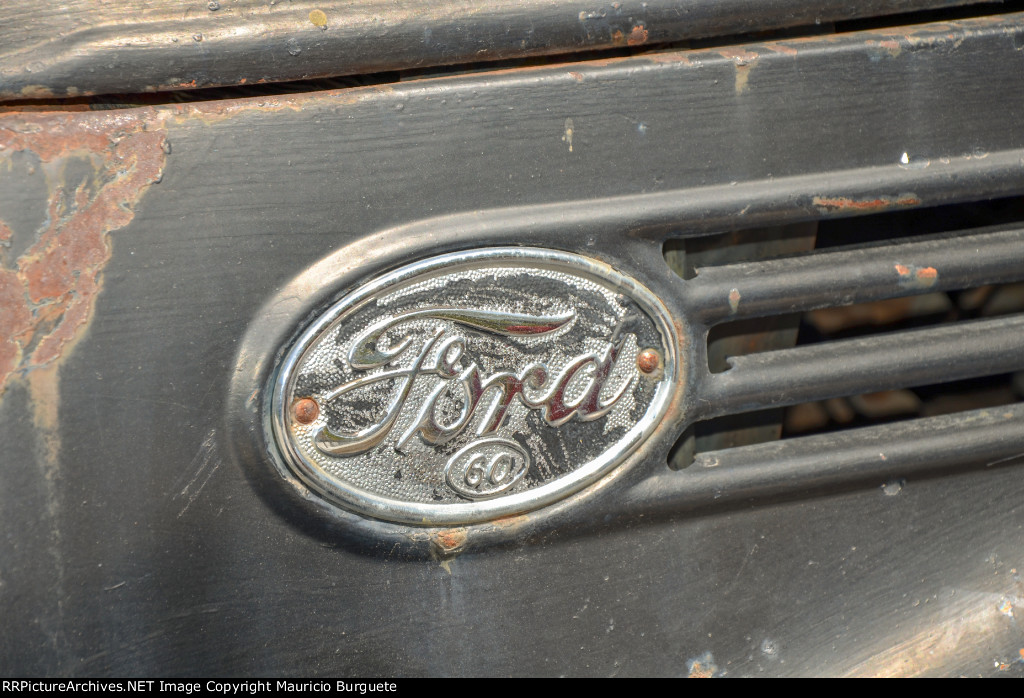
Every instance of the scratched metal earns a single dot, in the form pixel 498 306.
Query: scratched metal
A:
pixel 471 386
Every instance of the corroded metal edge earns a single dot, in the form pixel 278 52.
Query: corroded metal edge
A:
pixel 90 48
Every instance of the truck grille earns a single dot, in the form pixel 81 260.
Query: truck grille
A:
pixel 958 332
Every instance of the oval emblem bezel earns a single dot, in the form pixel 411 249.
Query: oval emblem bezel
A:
pixel 359 500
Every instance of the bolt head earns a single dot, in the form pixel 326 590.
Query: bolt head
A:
pixel 648 361
pixel 306 410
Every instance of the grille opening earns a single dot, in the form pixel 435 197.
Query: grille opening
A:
pixel 843 413
pixel 925 307
pixel 747 337
pixel 686 256
pixel 886 228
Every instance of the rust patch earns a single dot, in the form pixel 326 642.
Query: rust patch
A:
pixel 637 36
pixel 449 540
pixel 578 77
pixel 921 277
pixel 48 292
pixel 782 48
pixel 445 545
pixel 306 411
pixel 648 361
pixel 702 667
pixel 842 203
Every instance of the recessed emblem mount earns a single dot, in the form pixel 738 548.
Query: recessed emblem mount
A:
pixel 474 385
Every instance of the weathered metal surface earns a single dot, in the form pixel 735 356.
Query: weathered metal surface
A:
pixel 146 532
pixel 80 47
pixel 66 182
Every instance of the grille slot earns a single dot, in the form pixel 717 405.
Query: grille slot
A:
pixel 737 406
pixel 845 277
pixel 977 438
pixel 865 365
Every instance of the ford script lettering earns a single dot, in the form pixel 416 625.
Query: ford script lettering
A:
pixel 472 386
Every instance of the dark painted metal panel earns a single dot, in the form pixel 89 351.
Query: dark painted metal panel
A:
pixel 81 47
pixel 140 537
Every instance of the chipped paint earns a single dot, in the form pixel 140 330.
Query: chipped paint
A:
pixel 879 43
pixel 702 667
pixel 449 540
pixel 889 47
pixel 48 291
pixel 318 18
pixel 567 136
pixel 38 92
pixel 446 544
pixel 744 61
pixel 785 49
pixel 842 203
pixel 921 277
pixel 637 36
pixel 734 300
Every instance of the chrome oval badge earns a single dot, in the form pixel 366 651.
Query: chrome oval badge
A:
pixel 474 385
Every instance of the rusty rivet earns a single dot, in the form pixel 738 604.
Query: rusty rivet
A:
pixel 306 410
pixel 648 360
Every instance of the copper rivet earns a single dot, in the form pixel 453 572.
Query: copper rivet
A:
pixel 648 360
pixel 306 410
